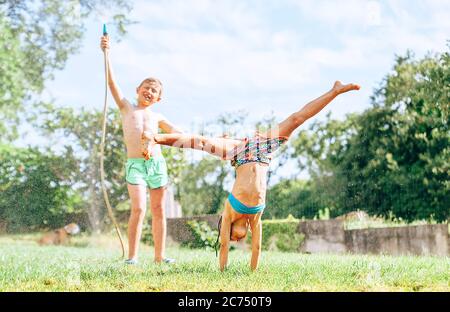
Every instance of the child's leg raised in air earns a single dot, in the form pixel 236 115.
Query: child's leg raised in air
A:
pixel 220 147
pixel 286 127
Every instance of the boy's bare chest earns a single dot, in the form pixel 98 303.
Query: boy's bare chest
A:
pixel 140 120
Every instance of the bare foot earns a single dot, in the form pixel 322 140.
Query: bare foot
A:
pixel 147 141
pixel 340 88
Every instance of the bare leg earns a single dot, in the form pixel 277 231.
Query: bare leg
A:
pixel 286 127
pixel 138 207
pixel 225 232
pixel 220 147
pixel 157 204
pixel 256 227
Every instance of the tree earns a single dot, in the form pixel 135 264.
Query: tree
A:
pixel 320 150
pixel 393 159
pixel 405 139
pixel 80 132
pixel 36 188
pixel 36 38
pixel 202 186
pixel 12 80
pixel 301 199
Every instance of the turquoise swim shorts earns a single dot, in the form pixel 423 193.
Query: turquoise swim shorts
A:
pixel 152 172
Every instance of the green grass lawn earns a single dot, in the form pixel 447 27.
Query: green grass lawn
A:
pixel 94 264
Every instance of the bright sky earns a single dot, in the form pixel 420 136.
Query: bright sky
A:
pixel 261 56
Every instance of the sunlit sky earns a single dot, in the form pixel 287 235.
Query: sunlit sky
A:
pixel 265 57
pixel 261 56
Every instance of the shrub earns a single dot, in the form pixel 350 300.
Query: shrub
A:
pixel 147 236
pixel 203 235
pixel 281 235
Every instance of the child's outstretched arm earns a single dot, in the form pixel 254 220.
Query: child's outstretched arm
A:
pixel 220 147
pixel 115 90
pixel 225 231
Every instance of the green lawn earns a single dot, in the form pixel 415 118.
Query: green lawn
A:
pixel 94 264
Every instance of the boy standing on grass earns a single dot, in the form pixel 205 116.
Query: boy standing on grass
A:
pixel 140 173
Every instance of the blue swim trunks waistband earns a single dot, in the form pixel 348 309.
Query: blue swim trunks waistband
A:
pixel 241 208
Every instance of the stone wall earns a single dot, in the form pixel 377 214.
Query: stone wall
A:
pixel 329 236
pixel 322 236
pixel 431 239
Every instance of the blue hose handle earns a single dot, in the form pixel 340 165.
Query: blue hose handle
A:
pixel 105 32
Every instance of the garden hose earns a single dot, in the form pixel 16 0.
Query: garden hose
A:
pixel 102 150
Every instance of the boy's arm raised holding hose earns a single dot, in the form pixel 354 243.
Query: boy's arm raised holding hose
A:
pixel 121 102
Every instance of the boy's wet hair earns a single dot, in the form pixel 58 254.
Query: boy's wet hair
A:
pixel 152 80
